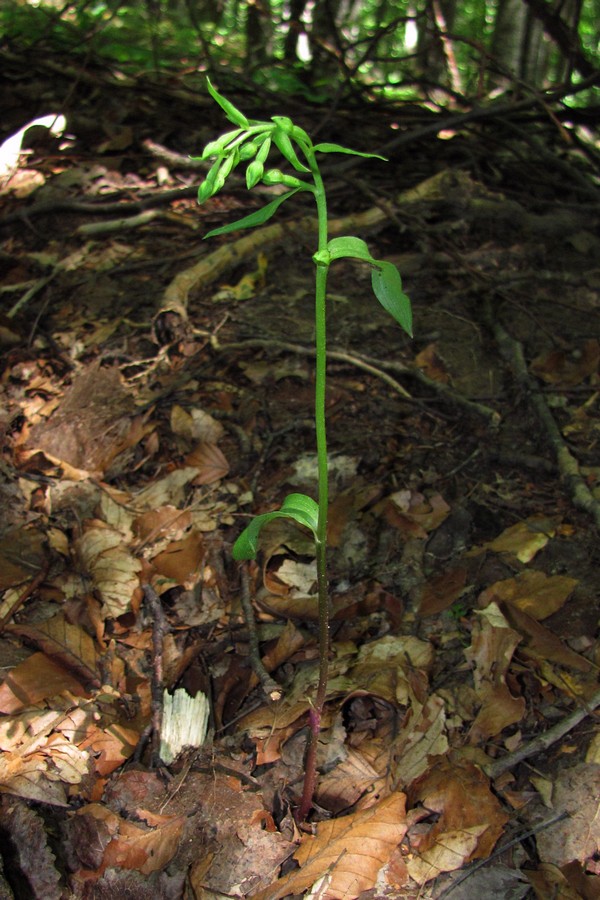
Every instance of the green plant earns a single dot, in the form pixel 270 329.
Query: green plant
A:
pixel 251 142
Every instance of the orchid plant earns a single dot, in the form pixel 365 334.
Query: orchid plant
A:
pixel 251 142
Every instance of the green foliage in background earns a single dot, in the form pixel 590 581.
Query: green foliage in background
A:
pixel 393 47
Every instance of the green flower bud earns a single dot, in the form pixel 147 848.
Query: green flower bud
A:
pixel 215 148
pixel 276 176
pixel 254 173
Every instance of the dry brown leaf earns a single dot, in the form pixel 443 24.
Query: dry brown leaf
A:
pixel 441 591
pixel 182 560
pixel 576 791
pixel 341 787
pixel 523 540
pixel 542 644
pixel 492 646
pixel 130 846
pixel 470 821
pixel 560 367
pixel 431 364
pixel 414 514
pixel 111 566
pixel 350 851
pixel 40 755
pixel 195 425
pixel 170 490
pixel 22 556
pixel 111 746
pixel 533 592
pixel 210 462
pixel 419 742
pixel 36 678
pixel 68 644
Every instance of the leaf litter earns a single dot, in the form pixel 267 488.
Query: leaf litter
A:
pixel 464 582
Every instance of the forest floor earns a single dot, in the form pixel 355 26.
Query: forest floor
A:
pixel 158 390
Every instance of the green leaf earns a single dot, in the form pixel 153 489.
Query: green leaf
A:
pixel 353 247
pixel 299 507
pixel 387 287
pixel 256 218
pixel 233 114
pixel 337 148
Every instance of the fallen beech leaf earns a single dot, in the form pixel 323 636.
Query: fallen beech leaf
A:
pixel 112 568
pixel 351 851
pixel 170 490
pixel 130 846
pixel 492 646
pixel 523 540
pixel 576 791
pixel 560 367
pixel 533 592
pixel 40 755
pixel 36 678
pixel 111 746
pixel 182 561
pixel 196 425
pixel 441 591
pixel 431 364
pixel 22 556
pixel 210 462
pixel 470 821
pixel 419 742
pixel 65 643
pixel 413 513
pixel 542 644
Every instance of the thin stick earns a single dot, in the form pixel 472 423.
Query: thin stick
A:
pixel 271 688
pixel 545 740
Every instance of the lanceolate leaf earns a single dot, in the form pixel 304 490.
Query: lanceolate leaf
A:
pixel 337 148
pixel 233 114
pixel 387 287
pixel 299 507
pixel 256 218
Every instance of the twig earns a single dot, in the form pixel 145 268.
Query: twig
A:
pixel 268 684
pixel 24 595
pixel 367 364
pixel 512 351
pixel 545 740
pixel 502 849
pixel 159 628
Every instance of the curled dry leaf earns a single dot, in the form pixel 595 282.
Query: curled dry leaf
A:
pixel 470 819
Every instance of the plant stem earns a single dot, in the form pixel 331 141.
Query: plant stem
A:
pixel 316 712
